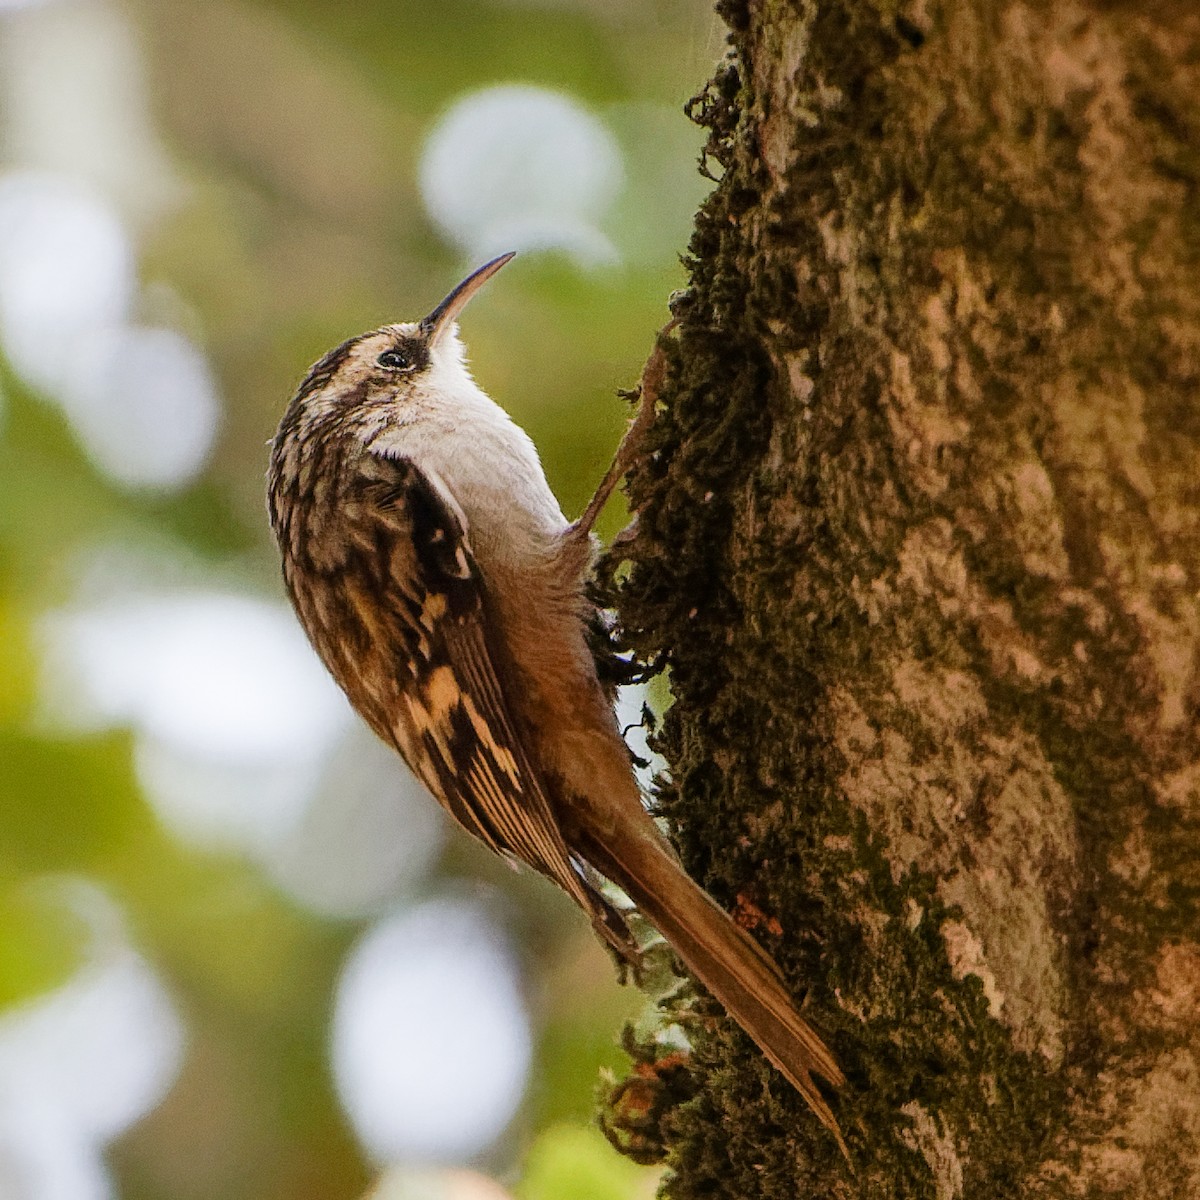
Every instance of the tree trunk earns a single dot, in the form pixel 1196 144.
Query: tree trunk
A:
pixel 920 539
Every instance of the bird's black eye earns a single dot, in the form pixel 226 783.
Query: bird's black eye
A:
pixel 396 360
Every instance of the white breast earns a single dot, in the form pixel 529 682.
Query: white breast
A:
pixel 485 459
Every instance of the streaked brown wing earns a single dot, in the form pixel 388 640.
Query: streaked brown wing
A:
pixel 452 722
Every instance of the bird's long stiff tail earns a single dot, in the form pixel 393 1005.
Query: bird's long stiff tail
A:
pixel 726 959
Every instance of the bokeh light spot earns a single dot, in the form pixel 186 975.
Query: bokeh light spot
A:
pixel 515 168
pixel 143 403
pixel 431 1040
pixel 213 674
pixel 66 269
pixel 437 1183
pixel 369 834
pixel 232 711
pixel 82 1063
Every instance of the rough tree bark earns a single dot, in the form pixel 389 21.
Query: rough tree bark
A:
pixel 920 536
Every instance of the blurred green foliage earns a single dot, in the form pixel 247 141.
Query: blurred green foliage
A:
pixel 39 944
pixel 293 129
pixel 569 1161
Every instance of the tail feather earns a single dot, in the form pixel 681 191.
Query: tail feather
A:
pixel 727 960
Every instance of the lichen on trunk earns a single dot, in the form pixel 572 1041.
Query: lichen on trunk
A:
pixel 919 534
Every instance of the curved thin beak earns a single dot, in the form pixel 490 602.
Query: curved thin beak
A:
pixel 446 313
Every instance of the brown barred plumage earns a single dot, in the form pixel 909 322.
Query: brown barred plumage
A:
pixel 441 585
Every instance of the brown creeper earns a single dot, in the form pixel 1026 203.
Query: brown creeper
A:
pixel 440 583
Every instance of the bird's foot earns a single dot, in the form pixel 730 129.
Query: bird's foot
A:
pixel 630 449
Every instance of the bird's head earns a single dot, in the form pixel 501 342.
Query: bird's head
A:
pixel 385 377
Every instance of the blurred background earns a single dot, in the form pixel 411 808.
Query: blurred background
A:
pixel 240 955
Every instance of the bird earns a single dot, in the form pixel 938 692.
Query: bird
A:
pixel 436 576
